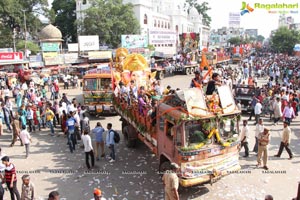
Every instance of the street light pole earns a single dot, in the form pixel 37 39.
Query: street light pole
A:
pixel 14 38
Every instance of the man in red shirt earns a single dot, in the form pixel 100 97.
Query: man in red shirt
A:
pixel 10 178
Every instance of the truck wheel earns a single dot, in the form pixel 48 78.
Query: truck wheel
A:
pixel 164 166
pixel 192 70
pixel 187 71
pixel 161 75
pixel 130 143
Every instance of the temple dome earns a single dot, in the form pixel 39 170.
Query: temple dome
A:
pixel 50 33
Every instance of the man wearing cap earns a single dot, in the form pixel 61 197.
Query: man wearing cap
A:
pixel 98 194
pixel 197 81
pixel 285 140
pixel 171 183
pixel 263 141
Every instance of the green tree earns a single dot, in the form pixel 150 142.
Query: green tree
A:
pixel 33 47
pixel 284 40
pixel 65 17
pixel 234 41
pixel 201 8
pixel 109 19
pixel 12 17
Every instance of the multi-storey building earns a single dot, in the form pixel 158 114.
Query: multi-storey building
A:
pixel 160 19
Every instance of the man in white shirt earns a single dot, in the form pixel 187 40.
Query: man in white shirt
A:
pixel 88 149
pixel 285 140
pixel 257 110
pixel 259 129
pixel 245 138
pixel 26 139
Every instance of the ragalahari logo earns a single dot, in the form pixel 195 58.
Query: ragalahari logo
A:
pixel 245 8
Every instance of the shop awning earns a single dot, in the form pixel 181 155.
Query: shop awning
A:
pixel 14 62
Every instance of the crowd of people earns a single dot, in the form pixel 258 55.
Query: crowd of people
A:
pixel 27 109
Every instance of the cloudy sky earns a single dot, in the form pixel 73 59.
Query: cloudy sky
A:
pixel 259 19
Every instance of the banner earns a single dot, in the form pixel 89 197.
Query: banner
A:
pixel 162 37
pixel 134 41
pixel 88 43
pixel 73 47
pixel 93 55
pixel 50 55
pixel 71 58
pixel 58 60
pixel 11 56
pixel 50 46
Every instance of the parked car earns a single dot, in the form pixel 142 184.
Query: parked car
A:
pixel 244 94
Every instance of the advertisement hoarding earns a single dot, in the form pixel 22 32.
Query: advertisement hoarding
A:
pixel 71 58
pixel 99 55
pixel 50 46
pixel 134 41
pixel 88 43
pixel 73 47
pixel 162 37
pixel 11 56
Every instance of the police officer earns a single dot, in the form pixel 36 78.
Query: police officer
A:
pixel 263 141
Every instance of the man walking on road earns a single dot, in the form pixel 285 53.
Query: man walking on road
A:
pixel 70 130
pixel 259 129
pixel 257 111
pixel 245 138
pixel 10 178
pixel 285 141
pixel 26 139
pixel 171 183
pixel 110 142
pixel 88 148
pixel 263 140
pixel 98 132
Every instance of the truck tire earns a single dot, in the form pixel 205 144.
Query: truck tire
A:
pixel 130 143
pixel 161 75
pixel 187 71
pixel 192 70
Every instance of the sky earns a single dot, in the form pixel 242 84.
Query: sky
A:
pixel 258 19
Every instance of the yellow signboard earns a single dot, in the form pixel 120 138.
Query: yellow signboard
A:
pixel 50 55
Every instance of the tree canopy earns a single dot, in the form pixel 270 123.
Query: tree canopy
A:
pixel 12 17
pixel 201 8
pixel 284 40
pixel 109 19
pixel 64 12
pixel 234 41
pixel 33 47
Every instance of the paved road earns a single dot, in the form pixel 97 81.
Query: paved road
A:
pixel 134 175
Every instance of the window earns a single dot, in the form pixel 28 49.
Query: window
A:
pixel 155 23
pixel 165 24
pixel 197 131
pixel 158 24
pixel 84 2
pixel 168 25
pixel 169 129
pixel 145 19
pixel 176 28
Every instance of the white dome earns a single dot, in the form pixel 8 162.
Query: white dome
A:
pixel 193 12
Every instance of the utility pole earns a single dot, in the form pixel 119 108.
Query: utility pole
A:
pixel 25 33
pixel 14 38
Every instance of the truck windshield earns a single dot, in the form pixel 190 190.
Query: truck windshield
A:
pixel 197 131
pixel 228 127
pixel 97 84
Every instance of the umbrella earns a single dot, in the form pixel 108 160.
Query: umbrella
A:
pixel 135 62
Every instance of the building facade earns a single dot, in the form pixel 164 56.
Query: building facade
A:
pixel 160 19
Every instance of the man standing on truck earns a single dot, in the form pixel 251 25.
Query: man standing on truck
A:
pixel 211 86
pixel 171 183
pixel 197 81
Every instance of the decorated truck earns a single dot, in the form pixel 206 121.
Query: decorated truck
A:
pixel 198 132
pixel 98 92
